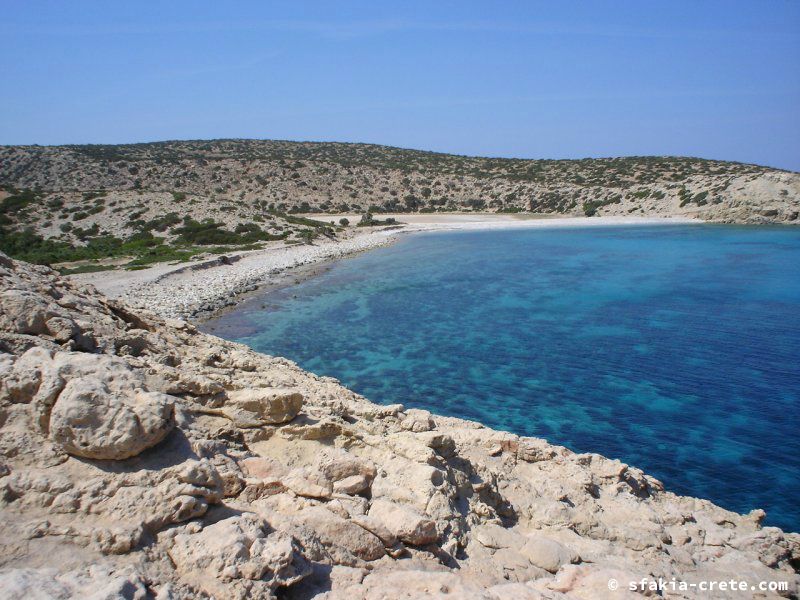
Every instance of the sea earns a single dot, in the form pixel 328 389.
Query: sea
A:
pixel 674 348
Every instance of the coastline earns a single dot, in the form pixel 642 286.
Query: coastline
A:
pixel 435 502
pixel 202 290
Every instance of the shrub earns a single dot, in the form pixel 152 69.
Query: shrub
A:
pixel 368 221
pixel 307 236
pixel 17 201
pixel 158 224
pixel 590 207
pixel 211 233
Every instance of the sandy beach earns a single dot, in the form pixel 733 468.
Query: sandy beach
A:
pixel 202 288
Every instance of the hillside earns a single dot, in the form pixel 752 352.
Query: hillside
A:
pixel 146 194
pixel 140 458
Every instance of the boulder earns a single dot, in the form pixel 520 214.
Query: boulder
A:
pixel 309 483
pixel 534 450
pixel 271 406
pixel 441 443
pixel 547 553
pixel 408 446
pixel 417 421
pixel 405 523
pixel 332 530
pixel 91 421
pixel 32 375
pixel 23 311
pixel 408 482
pixel 376 527
pixel 496 537
pixel 27 313
pixel 238 555
pixel 349 475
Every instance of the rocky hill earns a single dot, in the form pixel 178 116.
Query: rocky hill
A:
pixel 142 203
pixel 81 192
pixel 140 458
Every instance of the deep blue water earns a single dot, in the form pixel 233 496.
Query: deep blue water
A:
pixel 673 348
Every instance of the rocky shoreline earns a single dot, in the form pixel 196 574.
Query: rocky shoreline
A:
pixel 140 458
pixel 200 293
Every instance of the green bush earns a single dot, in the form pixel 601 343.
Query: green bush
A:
pixel 90 268
pixel 17 201
pixel 160 224
pixel 590 207
pixel 211 233
pixel 368 221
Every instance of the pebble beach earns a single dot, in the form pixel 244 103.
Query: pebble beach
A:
pixel 202 288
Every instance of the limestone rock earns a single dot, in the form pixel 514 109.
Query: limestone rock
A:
pixel 533 450
pixel 29 375
pixel 23 311
pixel 591 582
pixel 415 583
pixel 333 530
pixel 405 523
pixel 408 482
pixel 495 536
pixel 91 421
pixel 238 555
pixel 441 443
pixel 309 483
pixel 97 582
pixel 261 467
pixel 409 447
pixel 547 553
pixel 230 505
pixel 267 405
pixel 417 420
pixel 377 528
pixel 349 475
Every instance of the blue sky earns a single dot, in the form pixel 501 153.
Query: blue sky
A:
pixel 526 79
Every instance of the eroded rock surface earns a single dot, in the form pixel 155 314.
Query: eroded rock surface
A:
pixel 140 458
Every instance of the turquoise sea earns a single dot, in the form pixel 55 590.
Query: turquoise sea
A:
pixel 675 348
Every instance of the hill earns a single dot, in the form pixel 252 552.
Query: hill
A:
pixel 251 191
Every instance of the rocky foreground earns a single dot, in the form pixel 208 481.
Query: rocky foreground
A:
pixel 141 458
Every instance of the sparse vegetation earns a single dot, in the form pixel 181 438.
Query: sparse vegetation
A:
pixel 211 233
pixel 590 207
pixel 367 220
pixel 67 201
pixel 686 197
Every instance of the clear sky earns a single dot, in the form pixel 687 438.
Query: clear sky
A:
pixel 526 79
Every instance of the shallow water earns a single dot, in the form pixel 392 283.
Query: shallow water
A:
pixel 672 348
